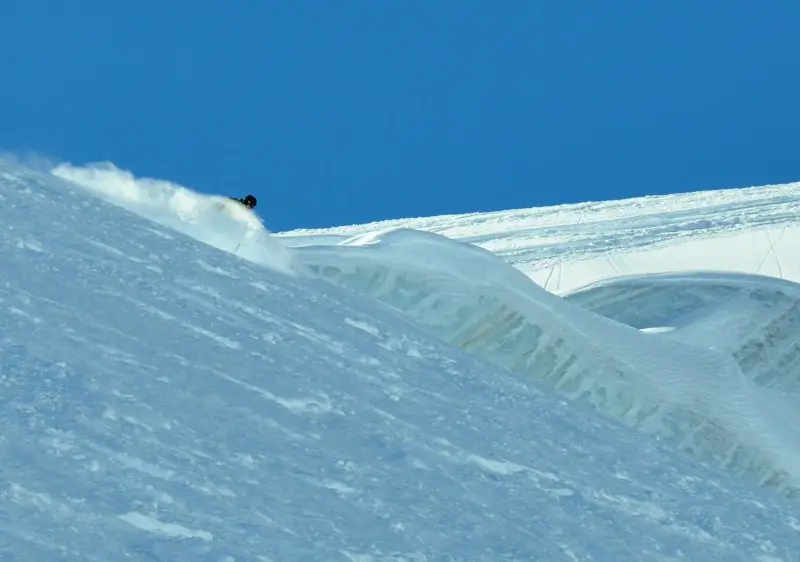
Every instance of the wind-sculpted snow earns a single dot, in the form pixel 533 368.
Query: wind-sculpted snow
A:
pixel 216 221
pixel 755 318
pixel 694 397
pixel 166 401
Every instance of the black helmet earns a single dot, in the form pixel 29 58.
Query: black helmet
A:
pixel 250 201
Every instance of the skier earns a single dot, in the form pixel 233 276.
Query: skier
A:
pixel 248 201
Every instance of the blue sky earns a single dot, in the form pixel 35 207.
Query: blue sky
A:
pixel 352 111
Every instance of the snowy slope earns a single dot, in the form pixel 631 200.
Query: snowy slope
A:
pixel 165 400
pixel 754 318
pixel 646 262
pixel 690 395
pixel 751 230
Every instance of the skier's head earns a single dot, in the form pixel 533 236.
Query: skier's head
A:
pixel 249 201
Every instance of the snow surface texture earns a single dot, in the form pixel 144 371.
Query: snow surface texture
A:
pixel 754 318
pixel 690 395
pixel 163 400
pixel 565 248
pixel 750 230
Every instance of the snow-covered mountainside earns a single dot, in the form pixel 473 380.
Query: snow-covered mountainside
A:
pixel 179 386
pixel 726 392
pixel 689 394
pixel 751 230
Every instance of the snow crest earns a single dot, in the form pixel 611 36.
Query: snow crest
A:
pixel 693 396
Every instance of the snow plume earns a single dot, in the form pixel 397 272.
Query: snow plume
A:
pixel 216 221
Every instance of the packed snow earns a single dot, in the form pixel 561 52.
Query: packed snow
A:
pixel 171 396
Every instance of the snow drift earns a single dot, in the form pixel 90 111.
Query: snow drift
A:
pixel 755 318
pixel 693 396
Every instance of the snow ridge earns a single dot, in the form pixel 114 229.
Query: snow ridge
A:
pixel 693 396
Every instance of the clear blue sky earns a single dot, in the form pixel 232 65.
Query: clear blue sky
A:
pixel 342 112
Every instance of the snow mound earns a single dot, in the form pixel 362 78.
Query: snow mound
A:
pixel 755 318
pixel 216 221
pixel 691 395
pixel 164 400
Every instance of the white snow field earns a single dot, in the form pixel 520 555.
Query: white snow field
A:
pixel 750 230
pixel 209 398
